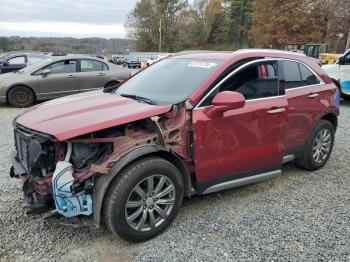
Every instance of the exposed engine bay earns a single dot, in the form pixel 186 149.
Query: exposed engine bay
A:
pixel 60 176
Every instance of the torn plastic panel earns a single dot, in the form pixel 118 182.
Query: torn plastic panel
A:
pixel 67 202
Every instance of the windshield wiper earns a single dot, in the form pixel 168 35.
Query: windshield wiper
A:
pixel 139 98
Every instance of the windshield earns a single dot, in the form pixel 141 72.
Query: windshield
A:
pixel 36 65
pixel 169 81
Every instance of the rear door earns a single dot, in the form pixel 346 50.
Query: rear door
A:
pixel 62 79
pixel 93 74
pixel 245 141
pixel 304 96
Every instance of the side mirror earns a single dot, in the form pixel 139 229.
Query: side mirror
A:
pixel 341 60
pixel 224 101
pixel 45 72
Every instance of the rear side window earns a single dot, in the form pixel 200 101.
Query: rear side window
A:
pixel 297 75
pixel 17 60
pixel 89 65
pixel 307 76
pixel 292 78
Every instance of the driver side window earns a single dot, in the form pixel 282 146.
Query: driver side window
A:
pixel 256 81
pixel 66 66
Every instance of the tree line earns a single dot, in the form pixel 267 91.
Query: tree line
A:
pixel 67 45
pixel 235 24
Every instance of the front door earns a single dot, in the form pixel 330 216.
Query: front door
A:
pixel 245 141
pixel 60 81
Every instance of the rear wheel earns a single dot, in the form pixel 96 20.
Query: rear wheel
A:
pixel 20 96
pixel 144 200
pixel 345 97
pixel 319 147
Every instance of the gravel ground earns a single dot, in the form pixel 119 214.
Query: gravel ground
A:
pixel 296 216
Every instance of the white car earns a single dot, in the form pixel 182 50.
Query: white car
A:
pixel 155 59
pixel 340 71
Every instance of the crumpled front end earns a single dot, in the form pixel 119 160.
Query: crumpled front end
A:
pixel 60 176
pixel 43 164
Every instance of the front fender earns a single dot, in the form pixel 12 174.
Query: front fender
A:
pixel 102 182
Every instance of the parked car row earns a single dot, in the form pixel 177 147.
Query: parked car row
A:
pixel 192 124
pixel 54 77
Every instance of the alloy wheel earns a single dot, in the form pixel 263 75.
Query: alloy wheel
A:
pixel 322 146
pixel 150 203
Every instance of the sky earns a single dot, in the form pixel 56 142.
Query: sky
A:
pixel 59 18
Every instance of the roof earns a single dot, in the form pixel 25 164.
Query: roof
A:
pixel 228 55
pixel 56 58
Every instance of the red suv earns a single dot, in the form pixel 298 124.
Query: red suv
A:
pixel 194 123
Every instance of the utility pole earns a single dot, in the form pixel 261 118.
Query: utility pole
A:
pixel 160 35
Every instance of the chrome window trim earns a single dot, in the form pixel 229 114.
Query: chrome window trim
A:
pixel 267 59
pixel 311 70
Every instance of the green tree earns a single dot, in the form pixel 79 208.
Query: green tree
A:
pixel 5 44
pixel 278 22
pixel 240 20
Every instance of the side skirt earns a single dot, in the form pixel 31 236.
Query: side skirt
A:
pixel 242 181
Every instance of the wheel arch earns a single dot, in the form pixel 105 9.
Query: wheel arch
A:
pixel 103 183
pixel 332 118
pixel 20 84
pixel 337 83
pixel 111 81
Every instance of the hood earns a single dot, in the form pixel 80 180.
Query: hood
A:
pixel 84 113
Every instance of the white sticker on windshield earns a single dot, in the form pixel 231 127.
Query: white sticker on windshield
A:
pixel 202 64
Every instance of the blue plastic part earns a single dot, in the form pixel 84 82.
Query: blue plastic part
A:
pixel 67 203
pixel 345 86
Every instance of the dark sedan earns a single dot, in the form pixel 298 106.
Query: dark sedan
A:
pixel 14 61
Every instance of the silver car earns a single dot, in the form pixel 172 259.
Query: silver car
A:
pixel 58 76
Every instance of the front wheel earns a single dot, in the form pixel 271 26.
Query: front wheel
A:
pixel 144 200
pixel 318 147
pixel 20 96
pixel 345 97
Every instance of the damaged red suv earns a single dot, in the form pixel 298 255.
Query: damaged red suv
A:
pixel 191 124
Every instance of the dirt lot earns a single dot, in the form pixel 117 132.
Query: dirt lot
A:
pixel 296 216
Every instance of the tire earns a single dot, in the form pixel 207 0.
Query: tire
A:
pixel 345 97
pixel 138 227
pixel 20 96
pixel 310 160
pixel 112 83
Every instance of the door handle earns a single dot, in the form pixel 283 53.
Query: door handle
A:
pixel 276 111
pixel 72 76
pixel 313 95
pixel 101 74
